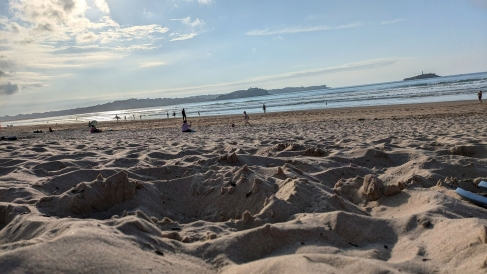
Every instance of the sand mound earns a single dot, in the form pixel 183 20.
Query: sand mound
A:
pixel 84 198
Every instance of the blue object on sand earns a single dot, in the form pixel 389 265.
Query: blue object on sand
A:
pixel 483 184
pixel 472 197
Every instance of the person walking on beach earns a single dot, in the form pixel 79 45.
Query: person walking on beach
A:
pixel 116 117
pixel 246 118
pixel 263 108
pixel 480 96
pixel 184 115
pixel 173 114
pixel 167 114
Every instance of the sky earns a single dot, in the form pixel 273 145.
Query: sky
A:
pixel 61 54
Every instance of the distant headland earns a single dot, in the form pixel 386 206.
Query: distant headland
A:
pixel 422 76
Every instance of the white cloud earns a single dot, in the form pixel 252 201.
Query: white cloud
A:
pixel 52 35
pixel 256 81
pixel 180 37
pixel 291 30
pixel 137 47
pixel 86 37
pixel 363 65
pixel 207 2
pixel 148 14
pixel 49 15
pixel 102 5
pixel 391 22
pixel 152 64
pixel 197 23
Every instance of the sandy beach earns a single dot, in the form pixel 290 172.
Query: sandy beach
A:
pixel 369 189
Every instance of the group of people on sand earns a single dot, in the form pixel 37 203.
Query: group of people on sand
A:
pixel 186 127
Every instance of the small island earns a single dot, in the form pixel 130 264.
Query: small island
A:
pixel 251 92
pixel 422 76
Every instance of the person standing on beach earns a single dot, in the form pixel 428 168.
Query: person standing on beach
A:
pixel 167 114
pixel 184 115
pixel 246 118
pixel 263 108
pixel 480 96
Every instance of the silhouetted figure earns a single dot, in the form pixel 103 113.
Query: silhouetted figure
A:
pixel 184 114
pixel 263 108
pixel 116 117
pixel 246 118
pixel 140 116
pixel 199 113
pixel 167 114
pixel 173 114
pixel 50 129
pixel 480 96
pixel 125 117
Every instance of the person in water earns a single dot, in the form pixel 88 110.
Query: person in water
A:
pixel 263 108
pixel 186 127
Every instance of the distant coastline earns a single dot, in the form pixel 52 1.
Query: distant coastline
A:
pixel 422 76
pixel 135 103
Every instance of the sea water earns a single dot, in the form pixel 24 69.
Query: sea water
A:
pixel 439 89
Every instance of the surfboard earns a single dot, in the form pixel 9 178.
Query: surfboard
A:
pixel 483 184
pixel 472 197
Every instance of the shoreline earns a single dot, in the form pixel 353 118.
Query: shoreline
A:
pixel 401 111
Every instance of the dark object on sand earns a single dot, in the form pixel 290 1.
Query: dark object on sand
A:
pixel 9 138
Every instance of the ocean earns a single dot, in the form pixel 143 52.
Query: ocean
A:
pixel 440 89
